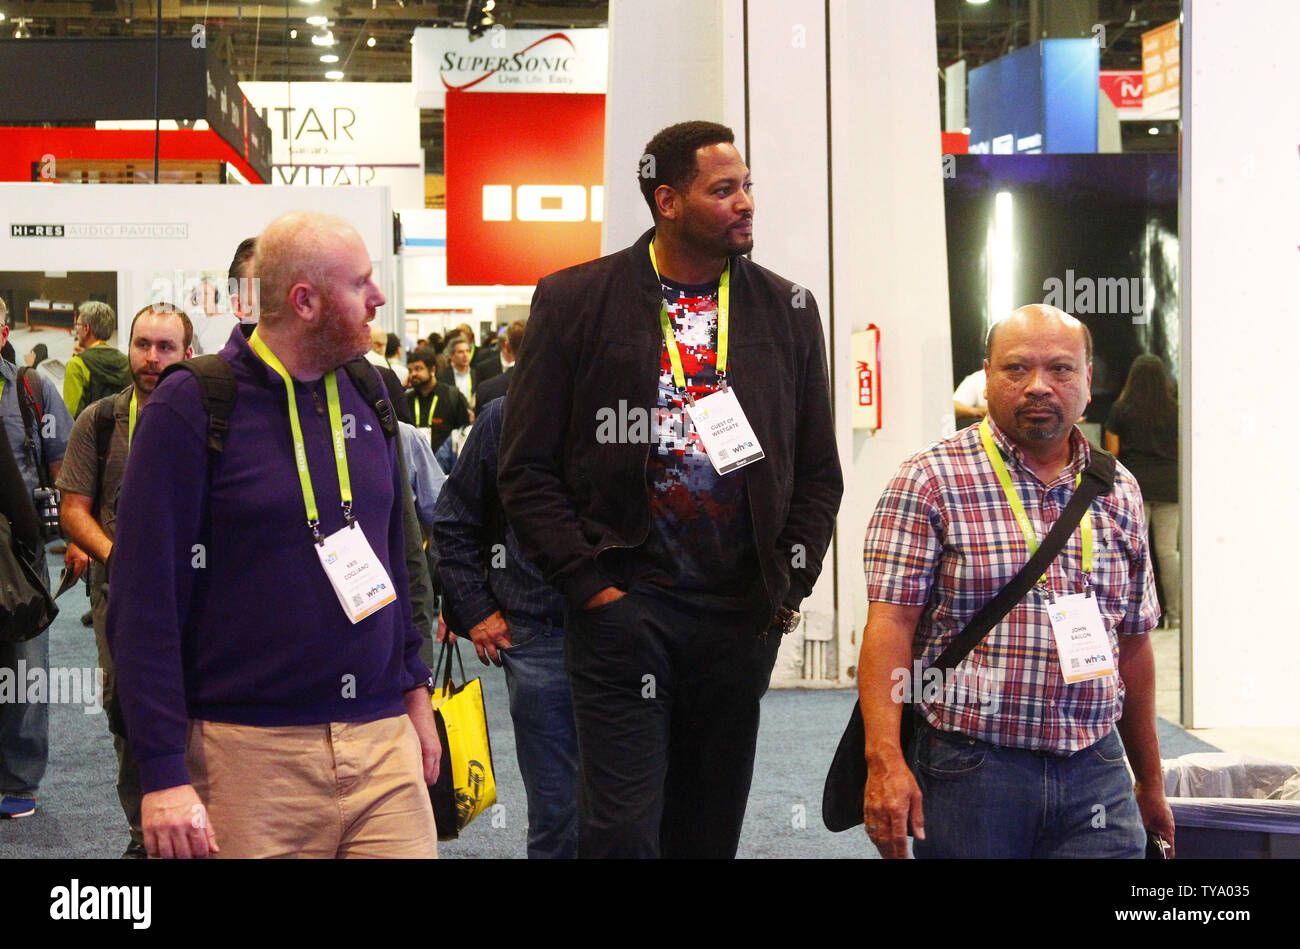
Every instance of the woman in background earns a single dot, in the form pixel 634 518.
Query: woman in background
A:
pixel 37 355
pixel 1142 431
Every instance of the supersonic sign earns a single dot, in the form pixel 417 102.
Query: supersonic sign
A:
pixel 524 184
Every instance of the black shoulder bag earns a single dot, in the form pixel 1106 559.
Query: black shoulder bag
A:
pixel 846 781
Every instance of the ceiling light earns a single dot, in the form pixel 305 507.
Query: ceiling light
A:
pixel 322 39
pixel 334 74
pixel 370 42
pixel 2 16
pixel 317 20
pixel 329 58
pixel 293 34
pixel 479 17
pixel 1153 131
pixel 977 2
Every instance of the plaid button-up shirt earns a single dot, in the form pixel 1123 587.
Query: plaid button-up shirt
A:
pixel 944 536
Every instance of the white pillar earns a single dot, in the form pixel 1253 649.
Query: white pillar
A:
pixel 666 65
pixel 1240 327
pixel 889 260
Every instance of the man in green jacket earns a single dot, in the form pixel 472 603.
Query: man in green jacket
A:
pixel 98 369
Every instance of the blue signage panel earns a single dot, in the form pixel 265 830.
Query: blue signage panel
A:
pixel 1041 98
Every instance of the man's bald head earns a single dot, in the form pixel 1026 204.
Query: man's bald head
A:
pixel 295 248
pixel 1040 316
pixel 378 338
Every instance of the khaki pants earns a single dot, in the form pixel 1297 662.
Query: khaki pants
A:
pixel 346 789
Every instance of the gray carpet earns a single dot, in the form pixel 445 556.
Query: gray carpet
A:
pixel 78 814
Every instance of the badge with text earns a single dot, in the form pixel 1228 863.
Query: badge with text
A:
pixel 721 424
pixel 1082 643
pixel 356 574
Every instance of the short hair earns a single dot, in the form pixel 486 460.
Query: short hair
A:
pixel 165 309
pixel 669 157
pixel 243 254
pixel 1087 340
pixel 294 249
pixel 515 335
pixel 392 346
pixel 456 341
pixel 99 317
pixel 424 355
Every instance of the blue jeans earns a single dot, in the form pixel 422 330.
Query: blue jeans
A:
pixel 982 800
pixel 546 741
pixel 24 726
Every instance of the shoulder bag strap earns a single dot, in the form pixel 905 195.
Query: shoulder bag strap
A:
pixel 1098 478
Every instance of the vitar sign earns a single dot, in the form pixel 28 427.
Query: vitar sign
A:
pixel 542 203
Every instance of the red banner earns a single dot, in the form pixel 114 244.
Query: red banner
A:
pixel 524 175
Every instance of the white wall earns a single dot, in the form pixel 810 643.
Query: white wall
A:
pixel 665 66
pixel 1240 226
pixel 207 221
pixel 787 156
pixel 890 261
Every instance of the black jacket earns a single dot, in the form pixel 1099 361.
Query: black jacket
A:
pixel 593 342
pixel 450 412
pixel 493 388
pixel 448 378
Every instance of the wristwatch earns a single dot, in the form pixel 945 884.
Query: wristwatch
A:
pixel 786 620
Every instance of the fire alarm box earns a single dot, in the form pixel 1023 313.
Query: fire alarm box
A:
pixel 866 378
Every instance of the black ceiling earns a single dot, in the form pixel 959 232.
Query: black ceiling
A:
pixel 255 40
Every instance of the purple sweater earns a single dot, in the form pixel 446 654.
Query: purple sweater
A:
pixel 219 608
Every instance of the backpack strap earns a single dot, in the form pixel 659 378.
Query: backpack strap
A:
pixel 217 391
pixel 1098 478
pixel 366 379
pixel 30 406
pixel 104 420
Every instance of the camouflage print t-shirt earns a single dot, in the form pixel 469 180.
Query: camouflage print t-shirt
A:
pixel 700 538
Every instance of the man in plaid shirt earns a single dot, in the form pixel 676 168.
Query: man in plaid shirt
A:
pixel 1009 759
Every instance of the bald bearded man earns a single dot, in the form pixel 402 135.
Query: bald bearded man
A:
pixel 268 664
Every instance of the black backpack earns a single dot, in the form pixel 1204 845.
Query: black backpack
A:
pixel 217 393
pixel 33 417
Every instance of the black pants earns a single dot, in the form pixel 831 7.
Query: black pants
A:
pixel 665 697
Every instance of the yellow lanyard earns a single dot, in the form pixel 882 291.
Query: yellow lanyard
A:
pixel 428 417
pixel 1018 509
pixel 300 450
pixel 130 425
pixel 674 354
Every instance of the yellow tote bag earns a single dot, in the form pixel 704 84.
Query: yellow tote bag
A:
pixel 466 781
